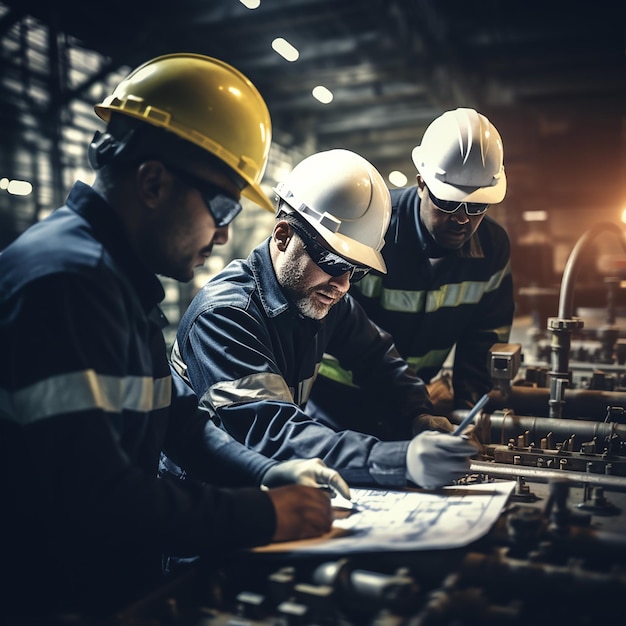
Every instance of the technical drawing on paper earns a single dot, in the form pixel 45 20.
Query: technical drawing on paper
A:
pixel 411 520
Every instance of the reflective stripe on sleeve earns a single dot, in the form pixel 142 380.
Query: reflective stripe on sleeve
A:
pixel 83 391
pixel 330 368
pixel 253 388
pixel 434 358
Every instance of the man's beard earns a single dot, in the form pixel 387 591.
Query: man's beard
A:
pixel 291 277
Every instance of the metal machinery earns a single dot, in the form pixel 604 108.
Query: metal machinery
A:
pixel 556 555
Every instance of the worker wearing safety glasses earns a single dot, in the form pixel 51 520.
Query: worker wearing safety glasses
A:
pixel 252 340
pixel 448 289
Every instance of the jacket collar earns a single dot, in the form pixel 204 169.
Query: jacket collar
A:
pixel 272 296
pixel 107 228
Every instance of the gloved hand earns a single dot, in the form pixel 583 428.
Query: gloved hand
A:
pixel 311 472
pixel 436 459
pixel 431 422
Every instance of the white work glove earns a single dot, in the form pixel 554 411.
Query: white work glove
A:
pixel 435 459
pixel 311 472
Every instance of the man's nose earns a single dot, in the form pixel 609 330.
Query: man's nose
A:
pixel 341 282
pixel 221 235
pixel 460 215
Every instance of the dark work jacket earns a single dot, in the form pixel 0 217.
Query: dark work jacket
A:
pixel 252 359
pixel 432 302
pixel 87 403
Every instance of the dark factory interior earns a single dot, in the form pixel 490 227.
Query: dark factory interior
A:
pixel 551 77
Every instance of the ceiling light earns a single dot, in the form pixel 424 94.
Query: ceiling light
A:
pixel 398 178
pixel 535 216
pixel 322 94
pixel 285 49
pixel 251 4
pixel 16 187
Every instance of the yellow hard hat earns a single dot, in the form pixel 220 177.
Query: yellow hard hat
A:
pixel 204 101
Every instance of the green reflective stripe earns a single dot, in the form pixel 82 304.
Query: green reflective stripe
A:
pixel 434 358
pixel 370 285
pixel 450 295
pixel 330 368
pixel 253 388
pixel 83 391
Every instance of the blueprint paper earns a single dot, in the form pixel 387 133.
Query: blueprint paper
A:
pixel 408 520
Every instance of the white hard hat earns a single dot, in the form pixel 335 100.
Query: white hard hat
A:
pixel 461 158
pixel 345 199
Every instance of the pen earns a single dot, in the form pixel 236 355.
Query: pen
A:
pixel 469 418
pixel 338 502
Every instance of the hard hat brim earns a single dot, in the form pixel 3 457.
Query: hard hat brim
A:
pixel 458 193
pixel 348 248
pixel 254 193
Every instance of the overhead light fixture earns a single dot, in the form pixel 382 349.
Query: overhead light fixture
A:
pixel 285 49
pixel 398 178
pixel 325 96
pixel 251 4
pixel 16 187
pixel 535 216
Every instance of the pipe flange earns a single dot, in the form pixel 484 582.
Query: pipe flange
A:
pixel 559 323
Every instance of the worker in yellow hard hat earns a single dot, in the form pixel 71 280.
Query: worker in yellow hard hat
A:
pixel 88 402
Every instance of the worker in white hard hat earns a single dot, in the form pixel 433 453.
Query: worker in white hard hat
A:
pixel 252 339
pixel 87 398
pixel 448 288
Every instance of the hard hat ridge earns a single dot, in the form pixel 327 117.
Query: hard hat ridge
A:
pixel 461 158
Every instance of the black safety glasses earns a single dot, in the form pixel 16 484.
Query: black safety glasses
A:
pixel 327 261
pixel 223 207
pixel 452 206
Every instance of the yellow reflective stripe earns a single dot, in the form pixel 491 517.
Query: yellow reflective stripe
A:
pixel 403 301
pixel 83 391
pixel 252 388
pixel 450 295
pixel 503 333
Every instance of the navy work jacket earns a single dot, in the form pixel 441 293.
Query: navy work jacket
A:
pixel 87 403
pixel 252 358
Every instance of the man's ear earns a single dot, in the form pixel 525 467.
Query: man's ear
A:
pixel 420 181
pixel 152 181
pixel 282 235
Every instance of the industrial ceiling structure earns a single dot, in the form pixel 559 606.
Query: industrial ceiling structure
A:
pixel 551 75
